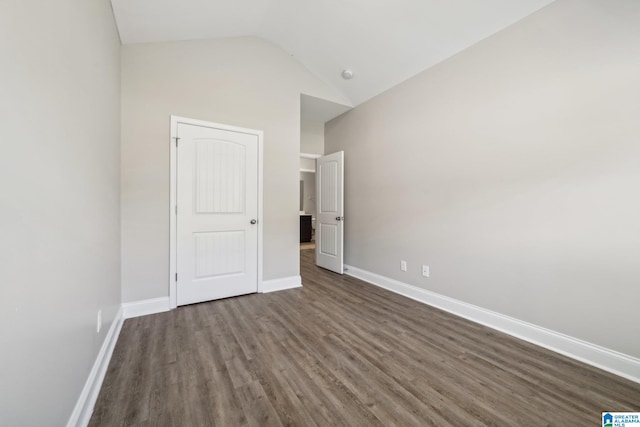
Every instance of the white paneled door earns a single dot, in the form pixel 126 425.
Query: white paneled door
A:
pixel 217 213
pixel 330 212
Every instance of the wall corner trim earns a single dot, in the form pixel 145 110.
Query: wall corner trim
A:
pixel 84 406
pixel 606 359
pixel 281 284
pixel 145 307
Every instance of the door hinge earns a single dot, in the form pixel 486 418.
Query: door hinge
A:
pixel 176 277
pixel 177 139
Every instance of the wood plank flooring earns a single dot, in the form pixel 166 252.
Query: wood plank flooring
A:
pixel 341 352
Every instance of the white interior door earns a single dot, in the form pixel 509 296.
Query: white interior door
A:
pixel 330 212
pixel 217 212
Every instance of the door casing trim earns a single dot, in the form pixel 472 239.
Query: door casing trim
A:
pixel 173 251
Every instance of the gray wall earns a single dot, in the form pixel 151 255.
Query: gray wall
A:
pixel 513 170
pixel 59 179
pixel 307 164
pixel 245 82
pixel 311 142
pixel 311 136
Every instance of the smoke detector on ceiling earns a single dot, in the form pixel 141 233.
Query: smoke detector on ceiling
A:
pixel 347 74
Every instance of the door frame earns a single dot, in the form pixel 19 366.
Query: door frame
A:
pixel 173 226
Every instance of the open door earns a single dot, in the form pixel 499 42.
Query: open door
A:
pixel 330 212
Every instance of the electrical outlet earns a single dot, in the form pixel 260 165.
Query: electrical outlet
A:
pixel 403 265
pixel 99 321
pixel 425 270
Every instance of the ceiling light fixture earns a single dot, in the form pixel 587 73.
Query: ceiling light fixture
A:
pixel 347 74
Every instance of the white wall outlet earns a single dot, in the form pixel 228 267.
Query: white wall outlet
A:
pixel 403 265
pixel 99 321
pixel 425 270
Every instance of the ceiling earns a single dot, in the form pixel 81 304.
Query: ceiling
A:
pixel 384 42
pixel 320 110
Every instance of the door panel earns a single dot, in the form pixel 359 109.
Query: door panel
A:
pixel 219 253
pixel 220 176
pixel 217 199
pixel 330 215
pixel 328 239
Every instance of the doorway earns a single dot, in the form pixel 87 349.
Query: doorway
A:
pixel 314 114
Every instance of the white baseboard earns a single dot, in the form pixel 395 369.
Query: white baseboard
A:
pixel 84 406
pixel 145 307
pixel 609 360
pixel 281 284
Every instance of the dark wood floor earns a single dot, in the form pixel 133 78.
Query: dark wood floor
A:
pixel 341 352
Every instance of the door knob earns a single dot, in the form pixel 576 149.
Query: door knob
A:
pixel 253 221
pixel 339 218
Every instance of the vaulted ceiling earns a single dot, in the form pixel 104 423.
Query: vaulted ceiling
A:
pixel 383 42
